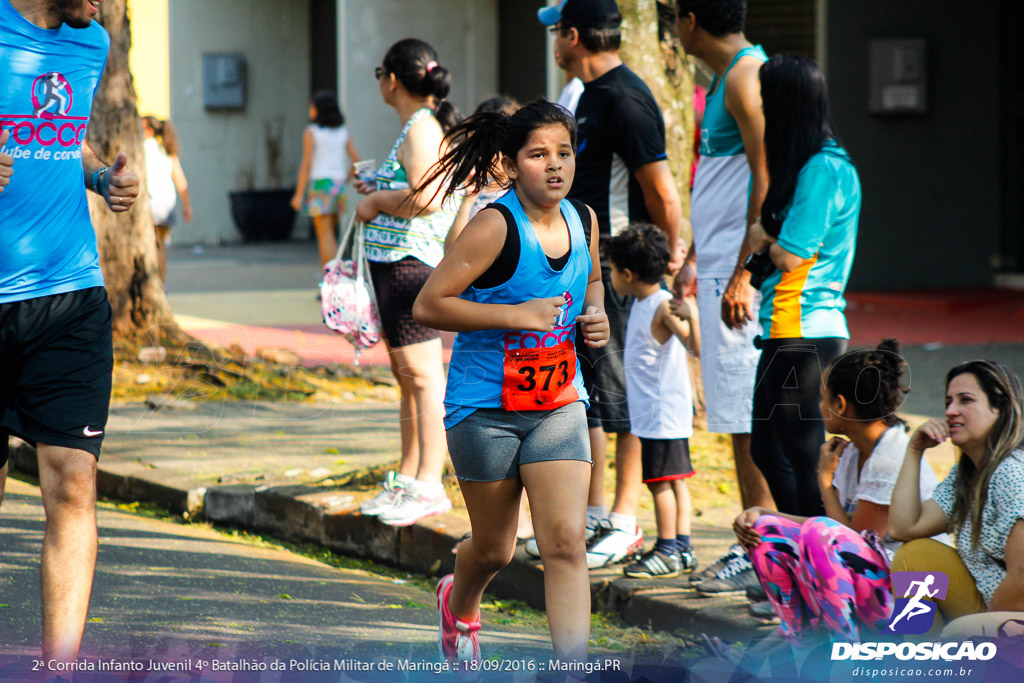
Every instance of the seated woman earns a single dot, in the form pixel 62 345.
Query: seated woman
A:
pixel 832 572
pixel 981 501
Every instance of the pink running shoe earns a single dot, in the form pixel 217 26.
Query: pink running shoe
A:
pixel 457 641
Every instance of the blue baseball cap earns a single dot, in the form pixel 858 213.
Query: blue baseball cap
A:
pixel 589 13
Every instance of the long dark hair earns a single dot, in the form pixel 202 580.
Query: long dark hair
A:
pixel 476 145
pixel 328 113
pixel 414 63
pixel 1004 393
pixel 870 381
pixel 797 123
pixel 165 133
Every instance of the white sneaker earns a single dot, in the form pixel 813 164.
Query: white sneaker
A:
pixel 412 506
pixel 385 500
pixel 610 545
pixel 592 525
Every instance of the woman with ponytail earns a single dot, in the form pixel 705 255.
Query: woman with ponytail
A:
pixel 830 574
pixel 405 234
pixel 520 282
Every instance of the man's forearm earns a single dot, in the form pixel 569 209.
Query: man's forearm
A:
pixel 91 163
pixel 758 191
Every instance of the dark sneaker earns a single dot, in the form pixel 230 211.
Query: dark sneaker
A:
pixel 764 611
pixel 687 561
pixel 756 593
pixel 735 579
pixel 712 572
pixel 653 564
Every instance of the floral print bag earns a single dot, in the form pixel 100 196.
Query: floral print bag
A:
pixel 346 293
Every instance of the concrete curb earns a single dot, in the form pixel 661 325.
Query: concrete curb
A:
pixel 330 518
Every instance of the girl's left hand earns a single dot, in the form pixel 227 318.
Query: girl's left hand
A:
pixel 828 459
pixel 594 326
pixel 743 527
pixel 759 239
pixel 366 209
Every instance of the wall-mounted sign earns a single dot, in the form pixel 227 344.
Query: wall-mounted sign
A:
pixel 224 81
pixel 897 76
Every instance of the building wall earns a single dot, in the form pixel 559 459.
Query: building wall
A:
pixel 220 149
pixel 931 183
pixel 149 58
pixel 464 33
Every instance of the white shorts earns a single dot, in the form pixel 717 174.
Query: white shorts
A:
pixel 728 361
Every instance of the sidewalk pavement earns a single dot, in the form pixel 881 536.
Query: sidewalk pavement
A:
pixel 280 469
pixel 298 472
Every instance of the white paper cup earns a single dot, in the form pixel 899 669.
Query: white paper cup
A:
pixel 366 170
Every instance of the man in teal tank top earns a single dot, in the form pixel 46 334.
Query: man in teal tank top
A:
pixel 730 185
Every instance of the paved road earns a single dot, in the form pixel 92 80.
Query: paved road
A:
pixel 174 593
pixel 273 285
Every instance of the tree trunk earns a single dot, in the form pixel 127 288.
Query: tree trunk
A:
pixel 127 242
pixel 652 50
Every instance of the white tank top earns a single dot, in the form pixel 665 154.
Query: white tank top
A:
pixel 657 379
pixel 330 154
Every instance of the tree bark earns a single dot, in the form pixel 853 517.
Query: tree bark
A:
pixel 127 242
pixel 651 48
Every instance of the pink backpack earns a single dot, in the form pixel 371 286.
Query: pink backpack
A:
pixel 346 294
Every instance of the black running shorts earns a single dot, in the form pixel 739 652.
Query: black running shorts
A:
pixel 56 361
pixel 665 459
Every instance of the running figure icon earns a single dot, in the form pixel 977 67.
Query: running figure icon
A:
pixel 914 606
pixel 56 91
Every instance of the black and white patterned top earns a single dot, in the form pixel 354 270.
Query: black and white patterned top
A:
pixel 1003 509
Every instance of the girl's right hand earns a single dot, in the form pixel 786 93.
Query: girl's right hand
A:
pixel 364 187
pixel 539 315
pixel 930 434
pixel 743 527
pixel 296 203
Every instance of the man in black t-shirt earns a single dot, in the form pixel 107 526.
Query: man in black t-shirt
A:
pixel 623 174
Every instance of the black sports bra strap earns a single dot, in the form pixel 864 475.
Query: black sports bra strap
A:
pixel 584 211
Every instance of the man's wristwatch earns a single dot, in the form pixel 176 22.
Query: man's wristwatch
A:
pixel 98 179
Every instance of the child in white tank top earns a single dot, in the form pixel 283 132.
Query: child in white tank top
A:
pixel 658 392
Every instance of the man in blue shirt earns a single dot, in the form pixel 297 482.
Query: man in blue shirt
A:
pixel 56 352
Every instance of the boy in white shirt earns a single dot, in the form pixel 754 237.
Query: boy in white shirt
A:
pixel 658 335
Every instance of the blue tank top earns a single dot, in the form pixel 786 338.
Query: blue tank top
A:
pixel 719 134
pixel 476 376
pixel 49 77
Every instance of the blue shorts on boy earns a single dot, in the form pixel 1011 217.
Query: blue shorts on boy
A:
pixel 526 373
pixel 658 392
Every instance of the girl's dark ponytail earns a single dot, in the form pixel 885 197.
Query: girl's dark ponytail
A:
pixel 438 81
pixel 474 154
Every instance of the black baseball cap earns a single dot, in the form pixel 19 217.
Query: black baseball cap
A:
pixel 588 13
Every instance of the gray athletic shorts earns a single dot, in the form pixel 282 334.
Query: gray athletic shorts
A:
pixel 492 443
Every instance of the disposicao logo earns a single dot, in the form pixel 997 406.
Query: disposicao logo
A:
pixel 912 613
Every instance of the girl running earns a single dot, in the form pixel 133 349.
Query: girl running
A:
pixel 514 285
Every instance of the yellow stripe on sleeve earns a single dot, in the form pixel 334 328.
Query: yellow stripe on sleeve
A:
pixel 786 310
